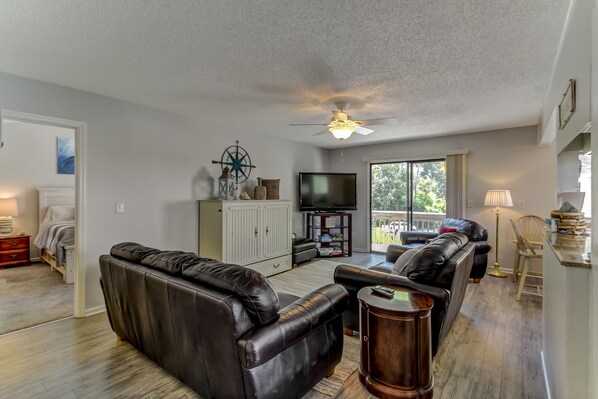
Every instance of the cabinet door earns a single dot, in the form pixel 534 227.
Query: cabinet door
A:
pixel 276 229
pixel 241 234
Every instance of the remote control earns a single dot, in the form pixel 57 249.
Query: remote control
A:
pixel 383 291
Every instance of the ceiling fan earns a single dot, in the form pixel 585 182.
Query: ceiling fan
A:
pixel 342 126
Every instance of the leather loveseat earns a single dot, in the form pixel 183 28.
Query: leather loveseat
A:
pixel 221 328
pixel 474 232
pixel 440 269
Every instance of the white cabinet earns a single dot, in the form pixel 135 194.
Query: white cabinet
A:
pixel 255 234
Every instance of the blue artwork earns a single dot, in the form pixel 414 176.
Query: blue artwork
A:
pixel 66 155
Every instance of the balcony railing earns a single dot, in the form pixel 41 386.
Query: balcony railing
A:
pixel 386 226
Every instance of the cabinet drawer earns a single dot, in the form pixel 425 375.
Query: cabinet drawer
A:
pixel 272 266
pixel 11 256
pixel 14 243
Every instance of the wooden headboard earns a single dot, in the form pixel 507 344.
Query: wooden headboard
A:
pixel 54 196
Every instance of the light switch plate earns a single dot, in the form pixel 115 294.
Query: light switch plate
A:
pixel 521 203
pixel 470 203
pixel 119 207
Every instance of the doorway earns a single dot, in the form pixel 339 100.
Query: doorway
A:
pixel 407 195
pixel 78 131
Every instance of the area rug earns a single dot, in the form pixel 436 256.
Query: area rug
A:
pixel 32 295
pixel 303 280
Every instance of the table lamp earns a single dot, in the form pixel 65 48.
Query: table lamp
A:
pixel 8 209
pixel 497 198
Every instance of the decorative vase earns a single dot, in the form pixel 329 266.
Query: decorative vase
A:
pixel 259 191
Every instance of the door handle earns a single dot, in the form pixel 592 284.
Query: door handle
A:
pixel 267 230
pixel 256 231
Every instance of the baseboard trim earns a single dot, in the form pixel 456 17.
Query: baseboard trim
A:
pixel 360 250
pixel 549 395
pixel 95 310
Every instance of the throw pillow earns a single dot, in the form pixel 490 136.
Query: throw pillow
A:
pixel 444 230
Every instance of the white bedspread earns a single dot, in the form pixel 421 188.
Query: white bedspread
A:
pixel 51 233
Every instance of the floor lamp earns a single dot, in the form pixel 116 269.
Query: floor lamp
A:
pixel 497 198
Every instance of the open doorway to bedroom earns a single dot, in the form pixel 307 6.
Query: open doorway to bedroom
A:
pixel 37 256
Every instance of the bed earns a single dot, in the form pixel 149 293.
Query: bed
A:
pixel 56 235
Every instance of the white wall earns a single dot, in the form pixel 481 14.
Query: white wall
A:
pixel 578 48
pixel 156 162
pixel 572 62
pixel 507 159
pixel 27 162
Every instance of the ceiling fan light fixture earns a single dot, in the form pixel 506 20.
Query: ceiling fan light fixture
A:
pixel 342 133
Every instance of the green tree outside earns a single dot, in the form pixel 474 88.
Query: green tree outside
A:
pixel 389 186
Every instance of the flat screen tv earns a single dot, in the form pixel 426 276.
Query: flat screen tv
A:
pixel 327 192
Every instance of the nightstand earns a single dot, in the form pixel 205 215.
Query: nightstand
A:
pixel 14 251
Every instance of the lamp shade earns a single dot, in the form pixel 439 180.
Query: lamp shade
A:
pixel 498 198
pixel 341 133
pixel 8 207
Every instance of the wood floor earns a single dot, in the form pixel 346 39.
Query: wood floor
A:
pixel 492 351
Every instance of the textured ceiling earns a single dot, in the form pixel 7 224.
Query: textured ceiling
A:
pixel 440 67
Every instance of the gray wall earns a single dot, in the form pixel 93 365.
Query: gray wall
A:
pixel 156 162
pixel 508 158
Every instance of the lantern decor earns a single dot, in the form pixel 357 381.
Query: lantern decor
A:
pixel 226 185
pixel 236 161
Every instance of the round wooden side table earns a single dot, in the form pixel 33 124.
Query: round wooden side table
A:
pixel 396 343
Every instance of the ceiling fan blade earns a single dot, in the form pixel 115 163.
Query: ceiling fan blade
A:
pixel 322 132
pixel 308 124
pixel 378 121
pixel 363 130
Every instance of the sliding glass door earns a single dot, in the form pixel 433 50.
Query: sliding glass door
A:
pixel 404 196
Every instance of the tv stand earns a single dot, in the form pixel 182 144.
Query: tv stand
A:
pixel 332 233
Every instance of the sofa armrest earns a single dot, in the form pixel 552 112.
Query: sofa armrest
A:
pixel 415 237
pixel 481 247
pixel 296 321
pixel 394 251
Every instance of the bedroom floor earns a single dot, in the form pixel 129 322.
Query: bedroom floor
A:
pixel 32 295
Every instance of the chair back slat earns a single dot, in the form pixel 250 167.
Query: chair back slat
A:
pixel 523 245
pixel 531 227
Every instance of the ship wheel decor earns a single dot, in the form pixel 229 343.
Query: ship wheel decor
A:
pixel 237 160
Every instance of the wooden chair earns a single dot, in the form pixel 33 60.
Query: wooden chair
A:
pixel 531 227
pixel 527 251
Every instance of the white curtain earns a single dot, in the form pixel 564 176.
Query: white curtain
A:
pixel 456 185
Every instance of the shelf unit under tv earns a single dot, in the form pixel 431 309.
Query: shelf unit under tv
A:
pixel 331 233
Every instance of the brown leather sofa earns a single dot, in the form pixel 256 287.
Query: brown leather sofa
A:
pixel 474 232
pixel 440 269
pixel 221 328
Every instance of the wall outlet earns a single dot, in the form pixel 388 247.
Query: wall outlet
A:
pixel 470 203
pixel 119 207
pixel 521 203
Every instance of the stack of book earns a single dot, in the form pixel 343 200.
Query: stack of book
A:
pixel 569 222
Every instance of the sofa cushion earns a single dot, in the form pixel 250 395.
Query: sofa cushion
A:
pixel 131 251
pixel 250 287
pixel 471 229
pixel 403 262
pixel 433 257
pixel 171 262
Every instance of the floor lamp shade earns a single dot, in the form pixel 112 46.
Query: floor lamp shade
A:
pixel 8 209
pixel 498 198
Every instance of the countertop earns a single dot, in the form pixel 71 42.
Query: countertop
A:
pixel 570 250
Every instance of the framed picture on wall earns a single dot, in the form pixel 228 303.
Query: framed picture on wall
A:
pixel 65 155
pixel 567 105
